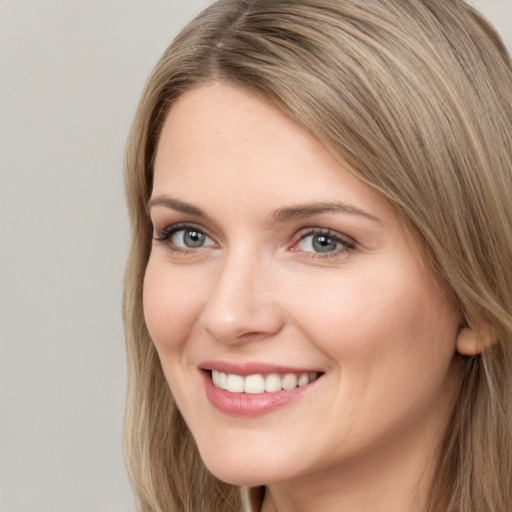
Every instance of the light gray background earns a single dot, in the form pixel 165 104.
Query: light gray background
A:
pixel 71 72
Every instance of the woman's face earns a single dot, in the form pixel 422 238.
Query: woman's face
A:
pixel 280 273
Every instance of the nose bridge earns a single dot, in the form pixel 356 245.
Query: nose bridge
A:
pixel 241 304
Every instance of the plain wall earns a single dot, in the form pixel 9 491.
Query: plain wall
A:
pixel 71 72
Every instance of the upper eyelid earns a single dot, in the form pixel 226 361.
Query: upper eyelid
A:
pixel 177 226
pixel 324 231
pixel 162 211
pixel 163 235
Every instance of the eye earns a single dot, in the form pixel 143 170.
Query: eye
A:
pixel 323 242
pixel 190 238
pixel 181 237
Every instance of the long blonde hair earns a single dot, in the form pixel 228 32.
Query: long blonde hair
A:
pixel 415 98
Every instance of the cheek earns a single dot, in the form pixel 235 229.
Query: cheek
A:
pixel 391 345
pixel 171 306
pixel 396 316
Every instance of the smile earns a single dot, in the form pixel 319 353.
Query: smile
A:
pixel 261 383
pixel 255 389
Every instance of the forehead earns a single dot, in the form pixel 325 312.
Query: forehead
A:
pixel 224 119
pixel 221 141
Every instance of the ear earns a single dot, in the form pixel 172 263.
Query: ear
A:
pixel 469 343
pixel 472 340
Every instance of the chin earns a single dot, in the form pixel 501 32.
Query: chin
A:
pixel 242 469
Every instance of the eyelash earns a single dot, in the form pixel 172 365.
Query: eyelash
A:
pixel 166 235
pixel 347 244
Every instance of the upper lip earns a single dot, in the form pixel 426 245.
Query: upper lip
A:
pixel 251 368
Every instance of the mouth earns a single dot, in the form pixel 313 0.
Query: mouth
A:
pixel 255 390
pixel 261 383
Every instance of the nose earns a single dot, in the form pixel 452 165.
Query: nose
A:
pixel 242 305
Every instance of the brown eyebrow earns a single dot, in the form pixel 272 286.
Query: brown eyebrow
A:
pixel 278 216
pixel 308 210
pixel 175 204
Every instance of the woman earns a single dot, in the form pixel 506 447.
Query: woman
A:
pixel 318 304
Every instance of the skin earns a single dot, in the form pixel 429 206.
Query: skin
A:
pixel 369 313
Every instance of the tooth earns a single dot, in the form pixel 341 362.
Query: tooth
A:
pixel 223 380
pixel 257 383
pixel 272 383
pixel 289 381
pixel 254 384
pixel 235 383
pixel 303 380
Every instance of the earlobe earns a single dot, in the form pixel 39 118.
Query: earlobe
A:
pixel 469 343
pixel 473 340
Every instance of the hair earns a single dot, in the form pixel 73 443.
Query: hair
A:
pixel 414 97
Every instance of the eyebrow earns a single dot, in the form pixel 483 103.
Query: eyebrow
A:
pixel 308 210
pixel 175 204
pixel 281 215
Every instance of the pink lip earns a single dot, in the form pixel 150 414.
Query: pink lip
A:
pixel 246 404
pixel 245 369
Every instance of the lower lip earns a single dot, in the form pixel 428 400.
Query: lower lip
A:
pixel 247 404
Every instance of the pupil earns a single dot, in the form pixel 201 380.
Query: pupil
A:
pixel 322 243
pixel 193 239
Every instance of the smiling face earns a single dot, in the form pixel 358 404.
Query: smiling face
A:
pixel 276 271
